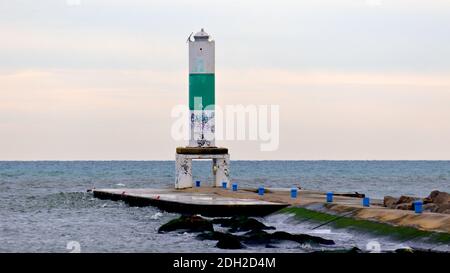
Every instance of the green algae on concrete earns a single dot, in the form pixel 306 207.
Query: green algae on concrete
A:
pixel 382 229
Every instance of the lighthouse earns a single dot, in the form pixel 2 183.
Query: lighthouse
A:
pixel 201 117
pixel 201 90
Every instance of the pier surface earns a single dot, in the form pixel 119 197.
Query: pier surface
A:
pixel 180 201
pixel 214 201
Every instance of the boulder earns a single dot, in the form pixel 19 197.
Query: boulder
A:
pixel 262 237
pixel 229 241
pixel 389 202
pixel 354 250
pixel 192 223
pixel 257 237
pixel 430 207
pixel 241 223
pixel 439 197
pixel 406 199
pixel 443 208
pixel 409 250
pixel 404 250
pixel 350 250
pixel 301 238
pixel 404 206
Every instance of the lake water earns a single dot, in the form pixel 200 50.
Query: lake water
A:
pixel 44 204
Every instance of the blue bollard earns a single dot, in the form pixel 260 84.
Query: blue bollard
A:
pixel 234 186
pixel 418 207
pixel 329 197
pixel 261 191
pixel 224 185
pixel 366 202
pixel 197 183
pixel 294 193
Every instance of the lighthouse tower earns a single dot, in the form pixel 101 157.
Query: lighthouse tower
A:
pixel 201 90
pixel 201 118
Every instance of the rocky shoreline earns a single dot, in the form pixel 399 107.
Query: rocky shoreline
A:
pixel 255 232
pixel 436 201
pixel 243 232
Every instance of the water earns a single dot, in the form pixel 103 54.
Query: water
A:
pixel 44 205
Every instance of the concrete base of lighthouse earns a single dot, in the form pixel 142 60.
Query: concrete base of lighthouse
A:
pixel 183 165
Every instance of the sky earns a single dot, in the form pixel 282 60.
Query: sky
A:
pixel 97 80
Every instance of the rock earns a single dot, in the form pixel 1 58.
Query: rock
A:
pixel 257 237
pixel 354 250
pixel 406 199
pixel 241 223
pixel 404 250
pixel 389 201
pixel 262 237
pixel 405 206
pixel 187 223
pixel 229 241
pixel 410 250
pixel 430 207
pixel 439 197
pixel 350 250
pixel 405 202
pixel 224 222
pixel 301 238
pixel 438 202
pixel 443 208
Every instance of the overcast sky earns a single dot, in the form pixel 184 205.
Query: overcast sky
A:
pixel 355 79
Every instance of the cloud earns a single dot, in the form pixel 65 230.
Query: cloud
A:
pixel 98 80
pixel 348 36
pixel 122 114
pixel 281 78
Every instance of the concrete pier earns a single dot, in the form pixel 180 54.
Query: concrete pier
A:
pixel 215 201
pixel 177 201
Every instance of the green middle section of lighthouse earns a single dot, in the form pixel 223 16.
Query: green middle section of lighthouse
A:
pixel 201 86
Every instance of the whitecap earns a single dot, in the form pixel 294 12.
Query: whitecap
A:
pixel 156 216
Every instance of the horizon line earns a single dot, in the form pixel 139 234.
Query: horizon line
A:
pixel 148 160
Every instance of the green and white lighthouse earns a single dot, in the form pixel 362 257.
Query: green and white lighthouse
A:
pixel 201 90
pixel 202 117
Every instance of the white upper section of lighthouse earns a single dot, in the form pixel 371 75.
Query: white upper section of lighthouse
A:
pixel 201 54
pixel 201 35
